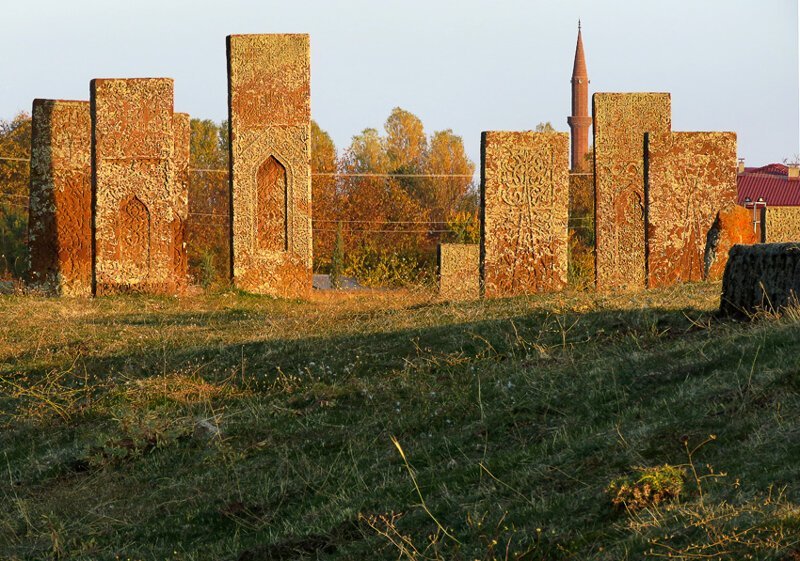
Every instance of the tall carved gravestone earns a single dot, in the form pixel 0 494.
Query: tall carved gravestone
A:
pixel 60 220
pixel 139 198
pixel 691 178
pixel 620 121
pixel 269 115
pixel 524 209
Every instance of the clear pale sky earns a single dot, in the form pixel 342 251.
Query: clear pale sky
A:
pixel 469 65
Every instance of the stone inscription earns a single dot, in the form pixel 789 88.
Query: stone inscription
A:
pixel 691 178
pixel 620 121
pixel 60 222
pixel 459 271
pixel 140 193
pixel 782 223
pixel 269 116
pixel 524 208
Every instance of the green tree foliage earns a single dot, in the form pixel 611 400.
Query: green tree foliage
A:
pixel 448 196
pixel 209 201
pixel 209 144
pixel 325 198
pixel 15 150
pixel 545 127
pixel 391 225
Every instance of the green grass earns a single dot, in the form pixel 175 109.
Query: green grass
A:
pixel 514 416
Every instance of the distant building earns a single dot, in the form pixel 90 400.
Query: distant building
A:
pixel 580 120
pixel 770 185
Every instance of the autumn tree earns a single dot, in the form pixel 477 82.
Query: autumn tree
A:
pixel 15 150
pixel 445 196
pixel 325 197
pixel 209 201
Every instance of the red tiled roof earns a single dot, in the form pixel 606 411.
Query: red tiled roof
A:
pixel 771 183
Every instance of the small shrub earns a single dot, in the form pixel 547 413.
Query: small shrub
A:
pixel 647 487
pixel 205 268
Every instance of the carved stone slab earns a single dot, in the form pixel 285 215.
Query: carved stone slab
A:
pixel 136 184
pixel 60 220
pixel 182 135
pixel 269 116
pixel 620 121
pixel 524 210
pixel 691 177
pixel 459 271
pixel 782 223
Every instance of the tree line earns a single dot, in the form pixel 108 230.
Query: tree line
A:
pixel 385 201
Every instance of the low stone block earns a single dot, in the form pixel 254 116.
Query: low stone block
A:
pixel 761 276
pixel 459 271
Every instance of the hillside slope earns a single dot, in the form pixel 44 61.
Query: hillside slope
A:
pixel 385 425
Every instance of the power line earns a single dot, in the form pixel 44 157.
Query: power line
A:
pixel 384 231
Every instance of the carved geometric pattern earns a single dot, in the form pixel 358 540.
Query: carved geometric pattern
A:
pixel 269 116
pixel 620 122
pixel 691 178
pixel 782 223
pixel 459 271
pixel 60 220
pixel 138 175
pixel 271 200
pixel 524 205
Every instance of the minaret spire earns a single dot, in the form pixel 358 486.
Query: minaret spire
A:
pixel 579 121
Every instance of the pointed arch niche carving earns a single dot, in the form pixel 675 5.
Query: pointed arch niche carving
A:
pixel 272 220
pixel 133 235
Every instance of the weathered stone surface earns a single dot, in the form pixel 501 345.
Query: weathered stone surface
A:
pixel 139 194
pixel 782 224
pixel 459 271
pixel 691 177
pixel 620 121
pixel 269 116
pixel 60 220
pixel 524 209
pixel 733 226
pixel 761 276
pixel 182 135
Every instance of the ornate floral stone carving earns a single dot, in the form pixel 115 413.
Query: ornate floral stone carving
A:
pixel 782 223
pixel 691 178
pixel 459 271
pixel 139 185
pixel 524 207
pixel 269 116
pixel 620 121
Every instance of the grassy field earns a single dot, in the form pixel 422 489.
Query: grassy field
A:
pixel 386 425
